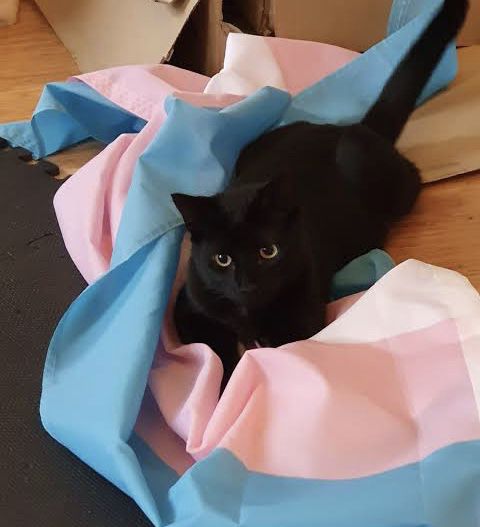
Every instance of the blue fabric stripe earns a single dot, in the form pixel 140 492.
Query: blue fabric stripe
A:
pixel 361 273
pixel 68 113
pixel 442 490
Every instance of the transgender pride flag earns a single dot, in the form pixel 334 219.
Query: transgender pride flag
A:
pixel 373 422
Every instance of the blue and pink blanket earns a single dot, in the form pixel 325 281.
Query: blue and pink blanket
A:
pixel 373 422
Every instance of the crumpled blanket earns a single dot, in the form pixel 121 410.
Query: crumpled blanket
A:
pixel 373 421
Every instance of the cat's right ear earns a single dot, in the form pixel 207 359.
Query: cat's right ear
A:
pixel 196 211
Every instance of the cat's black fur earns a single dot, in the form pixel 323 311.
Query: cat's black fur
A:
pixel 323 194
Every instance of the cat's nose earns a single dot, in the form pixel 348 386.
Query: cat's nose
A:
pixel 244 284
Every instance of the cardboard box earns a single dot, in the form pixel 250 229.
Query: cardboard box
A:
pixel 104 33
pixel 353 24
pixel 201 45
pixel 443 135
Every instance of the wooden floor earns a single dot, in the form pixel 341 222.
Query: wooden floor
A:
pixel 30 56
pixel 443 230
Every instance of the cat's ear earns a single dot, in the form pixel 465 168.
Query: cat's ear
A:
pixel 197 211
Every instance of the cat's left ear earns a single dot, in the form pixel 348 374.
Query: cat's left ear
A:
pixel 195 210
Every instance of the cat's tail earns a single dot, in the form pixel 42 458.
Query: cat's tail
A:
pixel 388 115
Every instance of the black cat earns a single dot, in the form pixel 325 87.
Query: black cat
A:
pixel 305 200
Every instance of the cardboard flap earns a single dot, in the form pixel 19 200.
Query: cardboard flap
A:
pixel 107 33
pixel 443 136
pixel 354 24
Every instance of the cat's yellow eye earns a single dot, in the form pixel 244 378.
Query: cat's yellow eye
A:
pixel 270 252
pixel 223 260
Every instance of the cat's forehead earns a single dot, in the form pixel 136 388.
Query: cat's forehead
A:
pixel 237 204
pixel 240 235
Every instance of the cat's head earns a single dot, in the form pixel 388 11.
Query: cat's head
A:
pixel 246 242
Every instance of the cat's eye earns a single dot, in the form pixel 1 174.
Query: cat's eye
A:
pixel 222 260
pixel 269 252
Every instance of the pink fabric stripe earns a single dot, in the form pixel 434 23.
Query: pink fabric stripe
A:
pixel 311 61
pixel 89 206
pixel 141 89
pixel 166 444
pixel 346 409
